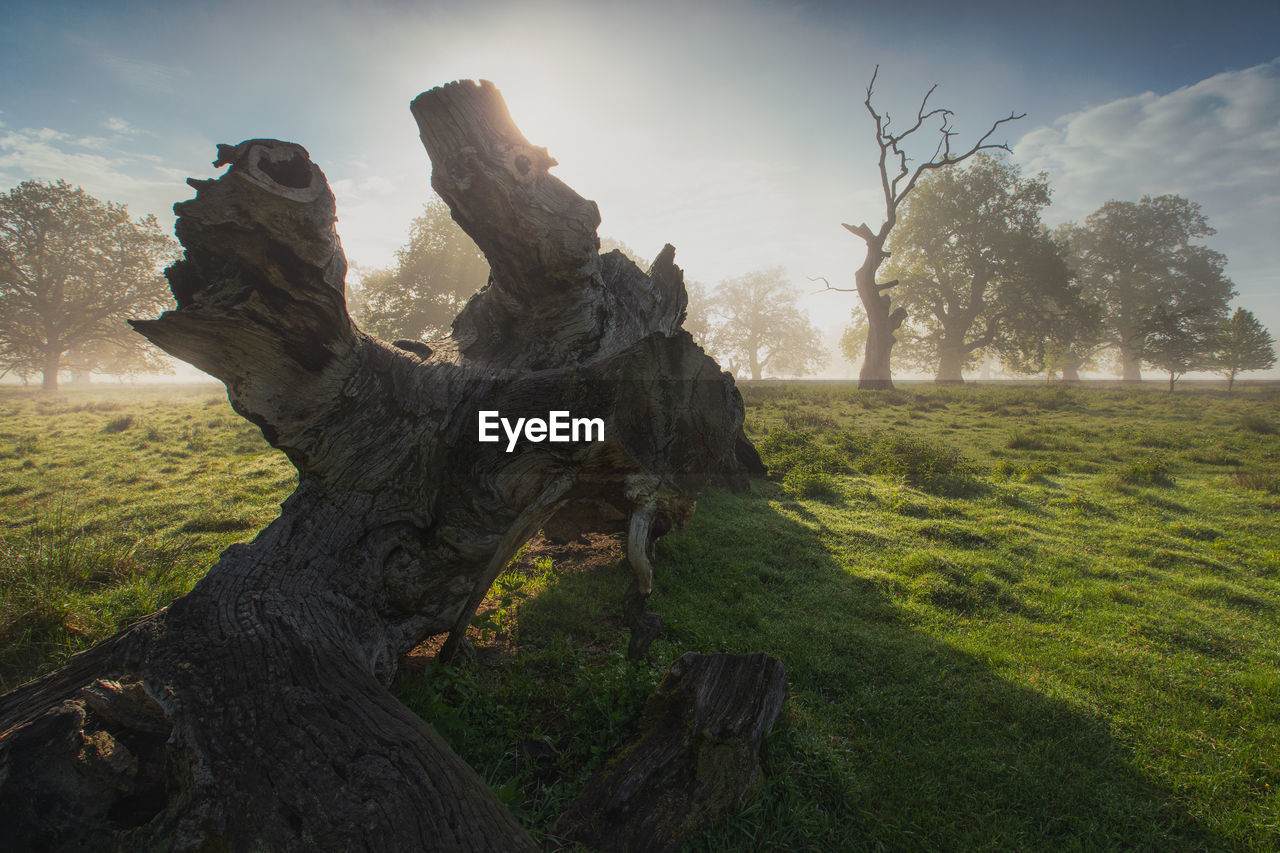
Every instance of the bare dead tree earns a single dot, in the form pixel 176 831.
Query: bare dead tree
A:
pixel 253 713
pixel 882 319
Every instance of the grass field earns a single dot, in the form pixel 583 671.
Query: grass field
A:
pixel 1013 617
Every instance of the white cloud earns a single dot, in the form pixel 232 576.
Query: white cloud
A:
pixel 1219 138
pixel 370 188
pixel 374 210
pixel 46 154
pixel 115 124
pixel 1216 142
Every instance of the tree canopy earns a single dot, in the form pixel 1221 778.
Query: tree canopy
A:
pixel 436 272
pixel 977 270
pixel 1133 258
pixel 1177 341
pixel 1241 344
pixel 757 327
pixel 72 270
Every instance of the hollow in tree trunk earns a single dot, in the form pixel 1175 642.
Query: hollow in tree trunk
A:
pixel 253 713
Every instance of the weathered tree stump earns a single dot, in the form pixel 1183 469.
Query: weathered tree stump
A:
pixel 697 756
pixel 253 713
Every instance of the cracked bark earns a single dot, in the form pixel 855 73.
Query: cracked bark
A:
pixel 254 711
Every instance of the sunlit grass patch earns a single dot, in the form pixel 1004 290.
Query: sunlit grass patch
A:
pixel 1149 469
pixel 811 481
pixel 66 586
pixel 104 518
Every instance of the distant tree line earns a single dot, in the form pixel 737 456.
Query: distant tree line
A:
pixel 74 270
pixel 977 274
pixel 973 274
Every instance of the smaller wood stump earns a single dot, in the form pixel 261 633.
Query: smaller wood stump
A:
pixel 696 757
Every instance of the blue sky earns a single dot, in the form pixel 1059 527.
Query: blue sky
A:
pixel 734 131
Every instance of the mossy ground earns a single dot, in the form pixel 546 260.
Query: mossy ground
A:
pixel 1012 617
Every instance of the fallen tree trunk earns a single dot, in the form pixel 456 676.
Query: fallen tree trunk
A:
pixel 254 712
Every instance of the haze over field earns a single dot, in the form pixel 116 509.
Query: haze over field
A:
pixel 735 131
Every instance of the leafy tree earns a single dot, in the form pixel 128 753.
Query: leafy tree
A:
pixel 609 244
pixel 758 327
pixel 853 343
pixel 436 272
pixel 1242 344
pixel 1053 346
pixel 897 181
pixel 72 270
pixel 121 360
pixel 1072 343
pixel 17 357
pixel 1132 258
pixel 1178 341
pixel 699 319
pixel 977 270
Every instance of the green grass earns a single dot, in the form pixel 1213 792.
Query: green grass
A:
pixel 114 501
pixel 1012 617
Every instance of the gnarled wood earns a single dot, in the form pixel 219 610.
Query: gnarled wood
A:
pixel 696 756
pixel 267 683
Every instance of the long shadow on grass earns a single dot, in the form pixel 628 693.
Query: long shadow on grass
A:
pixel 889 737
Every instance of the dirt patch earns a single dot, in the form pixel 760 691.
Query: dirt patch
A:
pixel 592 552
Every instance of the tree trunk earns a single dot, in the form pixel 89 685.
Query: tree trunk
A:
pixel 987 373
pixel 1071 370
pixel 951 365
pixel 1130 366
pixel 1231 380
pixel 52 364
pixel 253 713
pixel 1172 377
pixel 876 374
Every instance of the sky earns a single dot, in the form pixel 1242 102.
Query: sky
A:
pixel 733 130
